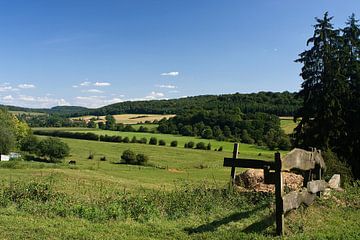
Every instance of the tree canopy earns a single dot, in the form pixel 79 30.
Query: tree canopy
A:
pixel 330 91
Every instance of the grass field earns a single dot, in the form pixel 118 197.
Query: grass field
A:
pixel 130 118
pixel 287 124
pixel 227 146
pixel 27 113
pixel 182 196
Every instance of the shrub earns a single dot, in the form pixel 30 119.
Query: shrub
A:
pixel 191 144
pixel 143 129
pixel 201 145
pixel 174 143
pixel 53 149
pixel 103 158
pixel 162 142
pixel 91 156
pixel 336 166
pixel 142 140
pixel 133 140
pixel 208 147
pixel 129 128
pixel 126 140
pixel 186 145
pixel 128 157
pixel 29 144
pixel 220 148
pixel 153 141
pixel 141 159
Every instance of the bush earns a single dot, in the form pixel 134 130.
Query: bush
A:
pixel 220 148
pixel 53 149
pixel 201 145
pixel 162 142
pixel 128 157
pixel 91 156
pixel 153 141
pixel 133 140
pixel 106 138
pixel 335 166
pixel 191 144
pixel 103 158
pixel 142 140
pixel 29 144
pixel 208 147
pixel 186 145
pixel 141 159
pixel 174 143
pixel 126 140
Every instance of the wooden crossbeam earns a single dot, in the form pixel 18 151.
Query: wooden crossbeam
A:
pixel 248 163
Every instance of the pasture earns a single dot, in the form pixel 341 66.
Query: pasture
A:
pixel 287 124
pixel 181 196
pixel 253 150
pixel 129 118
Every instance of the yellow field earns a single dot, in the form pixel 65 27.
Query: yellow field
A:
pixel 129 118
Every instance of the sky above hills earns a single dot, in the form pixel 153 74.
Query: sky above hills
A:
pixel 93 53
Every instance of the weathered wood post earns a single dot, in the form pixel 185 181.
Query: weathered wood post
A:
pixel 235 155
pixel 279 195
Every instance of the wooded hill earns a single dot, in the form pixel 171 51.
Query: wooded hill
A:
pixel 280 104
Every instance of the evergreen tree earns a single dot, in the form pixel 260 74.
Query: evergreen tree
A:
pixel 324 89
pixel 351 64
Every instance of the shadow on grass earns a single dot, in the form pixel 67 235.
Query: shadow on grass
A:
pixel 255 227
pixel 38 159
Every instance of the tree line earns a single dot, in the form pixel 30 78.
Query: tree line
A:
pixel 258 128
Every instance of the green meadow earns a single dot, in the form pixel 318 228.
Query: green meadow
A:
pixel 184 194
pixel 227 146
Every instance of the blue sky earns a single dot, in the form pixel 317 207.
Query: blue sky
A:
pixel 93 53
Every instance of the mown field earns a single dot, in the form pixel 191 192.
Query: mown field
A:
pixel 287 124
pixel 183 195
pixel 130 118
pixel 227 146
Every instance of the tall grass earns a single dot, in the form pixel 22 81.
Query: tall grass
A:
pixel 40 198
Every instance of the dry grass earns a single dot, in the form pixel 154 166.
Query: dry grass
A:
pixel 129 118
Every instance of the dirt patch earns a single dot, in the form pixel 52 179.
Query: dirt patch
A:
pixel 253 179
pixel 174 170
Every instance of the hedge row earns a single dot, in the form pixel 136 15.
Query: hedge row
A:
pixel 107 138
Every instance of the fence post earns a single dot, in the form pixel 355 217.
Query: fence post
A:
pixel 279 195
pixel 235 155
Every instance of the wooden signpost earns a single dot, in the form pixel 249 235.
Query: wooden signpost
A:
pixel 310 163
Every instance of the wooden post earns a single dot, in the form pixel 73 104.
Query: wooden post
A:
pixel 279 195
pixel 235 155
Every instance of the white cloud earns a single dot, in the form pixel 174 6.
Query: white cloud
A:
pixel 170 74
pixel 6 88
pixel 75 86
pixel 96 101
pixel 26 86
pixel 86 83
pixel 93 91
pixel 166 86
pixel 102 84
pixel 33 101
pixel 8 98
pixel 154 95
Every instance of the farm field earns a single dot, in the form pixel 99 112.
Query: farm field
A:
pixel 227 146
pixel 182 196
pixel 287 124
pixel 129 118
pixel 27 113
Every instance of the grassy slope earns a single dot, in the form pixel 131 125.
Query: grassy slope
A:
pixel 287 124
pixel 91 179
pixel 227 146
